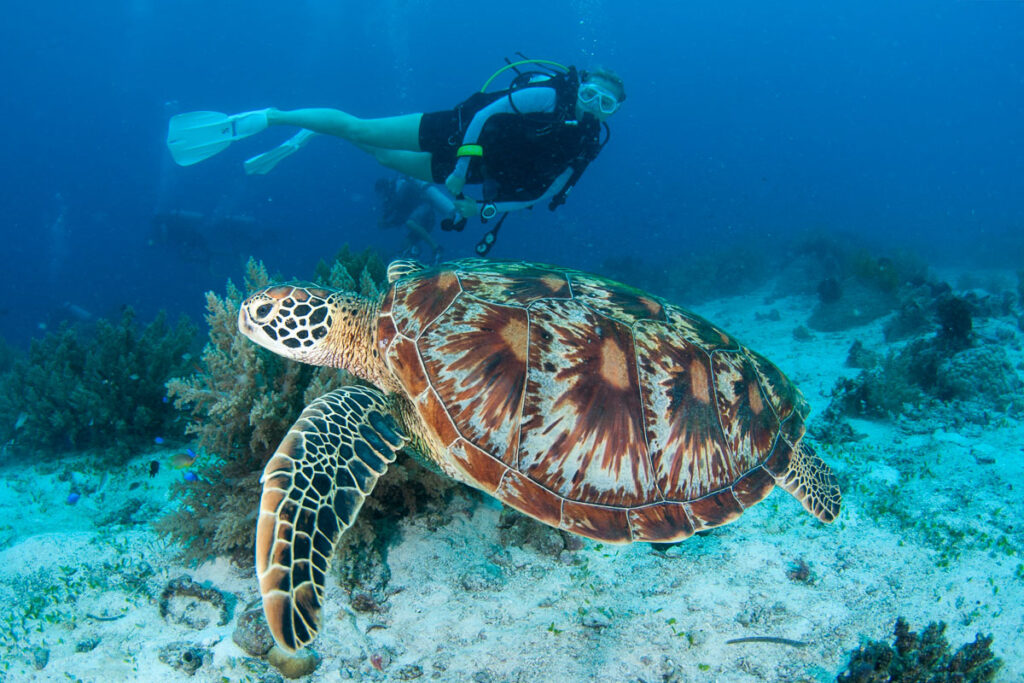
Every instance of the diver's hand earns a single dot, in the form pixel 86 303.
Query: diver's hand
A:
pixel 466 207
pixel 455 183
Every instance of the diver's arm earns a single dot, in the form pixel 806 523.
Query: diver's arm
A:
pixel 554 188
pixel 440 201
pixel 529 100
pixel 433 195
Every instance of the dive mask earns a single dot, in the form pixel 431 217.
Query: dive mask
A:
pixel 597 100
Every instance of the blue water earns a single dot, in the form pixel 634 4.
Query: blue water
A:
pixel 746 122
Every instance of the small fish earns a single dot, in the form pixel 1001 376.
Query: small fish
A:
pixel 182 460
pixel 165 400
pixel 154 467
pixel 191 476
pixel 134 376
pixel 20 422
pixel 73 498
pixel 158 440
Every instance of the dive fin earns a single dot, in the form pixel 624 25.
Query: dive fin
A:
pixel 262 164
pixel 198 135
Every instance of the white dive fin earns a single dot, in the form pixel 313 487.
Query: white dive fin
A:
pixel 262 164
pixel 198 135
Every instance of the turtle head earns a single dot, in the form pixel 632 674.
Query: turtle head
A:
pixel 306 323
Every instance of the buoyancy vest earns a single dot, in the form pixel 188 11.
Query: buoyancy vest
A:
pixel 524 152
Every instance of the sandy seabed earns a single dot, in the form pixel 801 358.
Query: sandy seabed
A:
pixel 929 531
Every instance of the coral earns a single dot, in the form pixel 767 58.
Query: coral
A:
pixel 95 388
pixel 860 357
pixel 185 656
pixel 882 390
pixel 913 316
pixel 955 322
pixel 241 405
pixel 831 428
pixel 983 372
pixel 8 354
pixel 180 602
pixel 251 633
pixel 363 271
pixel 924 372
pixel 829 290
pixel 921 658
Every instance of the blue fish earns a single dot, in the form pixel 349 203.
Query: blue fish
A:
pixel 73 498
pixel 191 476
pixel 158 440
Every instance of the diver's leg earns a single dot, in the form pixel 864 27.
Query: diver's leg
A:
pixel 392 132
pixel 413 164
pixel 417 233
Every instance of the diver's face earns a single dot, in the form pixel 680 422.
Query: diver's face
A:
pixel 597 97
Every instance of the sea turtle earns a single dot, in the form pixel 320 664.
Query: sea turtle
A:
pixel 583 403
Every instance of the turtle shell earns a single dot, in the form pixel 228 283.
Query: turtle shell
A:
pixel 587 404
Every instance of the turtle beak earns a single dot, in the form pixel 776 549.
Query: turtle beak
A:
pixel 251 330
pixel 244 324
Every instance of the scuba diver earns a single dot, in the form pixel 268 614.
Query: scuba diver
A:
pixel 523 145
pixel 414 205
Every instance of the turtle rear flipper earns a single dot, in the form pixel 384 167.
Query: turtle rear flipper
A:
pixel 313 488
pixel 401 267
pixel 811 481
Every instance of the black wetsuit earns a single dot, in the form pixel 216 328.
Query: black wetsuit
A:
pixel 533 147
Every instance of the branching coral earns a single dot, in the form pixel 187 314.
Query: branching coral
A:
pixel 242 404
pixel 101 389
pixel 921 658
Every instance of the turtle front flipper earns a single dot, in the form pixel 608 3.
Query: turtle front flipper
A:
pixel 313 488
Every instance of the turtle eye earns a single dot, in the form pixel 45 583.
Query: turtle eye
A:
pixel 264 311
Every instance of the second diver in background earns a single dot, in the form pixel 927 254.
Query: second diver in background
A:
pixel 416 206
